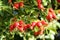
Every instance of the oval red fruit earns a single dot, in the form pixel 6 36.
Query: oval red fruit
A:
pixel 54 15
pixel 33 24
pixel 49 16
pixel 21 4
pixel 43 22
pixel 27 26
pixel 21 22
pixel 16 24
pixel 39 24
pixel 51 10
pixel 11 27
pixel 40 6
pixel 16 5
pixel 20 29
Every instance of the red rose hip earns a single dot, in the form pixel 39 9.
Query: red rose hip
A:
pixel 33 24
pixel 16 5
pixel 11 27
pixel 21 4
pixel 39 24
pixel 43 22
pixel 16 24
pixel 20 29
pixel 49 16
pixel 40 6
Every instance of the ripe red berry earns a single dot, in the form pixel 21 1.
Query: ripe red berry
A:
pixel 39 24
pixel 51 10
pixel 16 5
pixel 54 15
pixel 21 22
pixel 21 4
pixel 49 16
pixel 16 24
pixel 33 24
pixel 58 1
pixel 40 6
pixel 27 26
pixel 11 27
pixel 43 22
pixel 20 29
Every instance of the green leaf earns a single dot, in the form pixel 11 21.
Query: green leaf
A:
pixel 36 29
pixel 58 16
pixel 45 2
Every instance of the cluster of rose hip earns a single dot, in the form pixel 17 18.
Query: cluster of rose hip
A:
pixel 40 6
pixel 51 14
pixel 17 5
pixel 39 3
pixel 22 27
